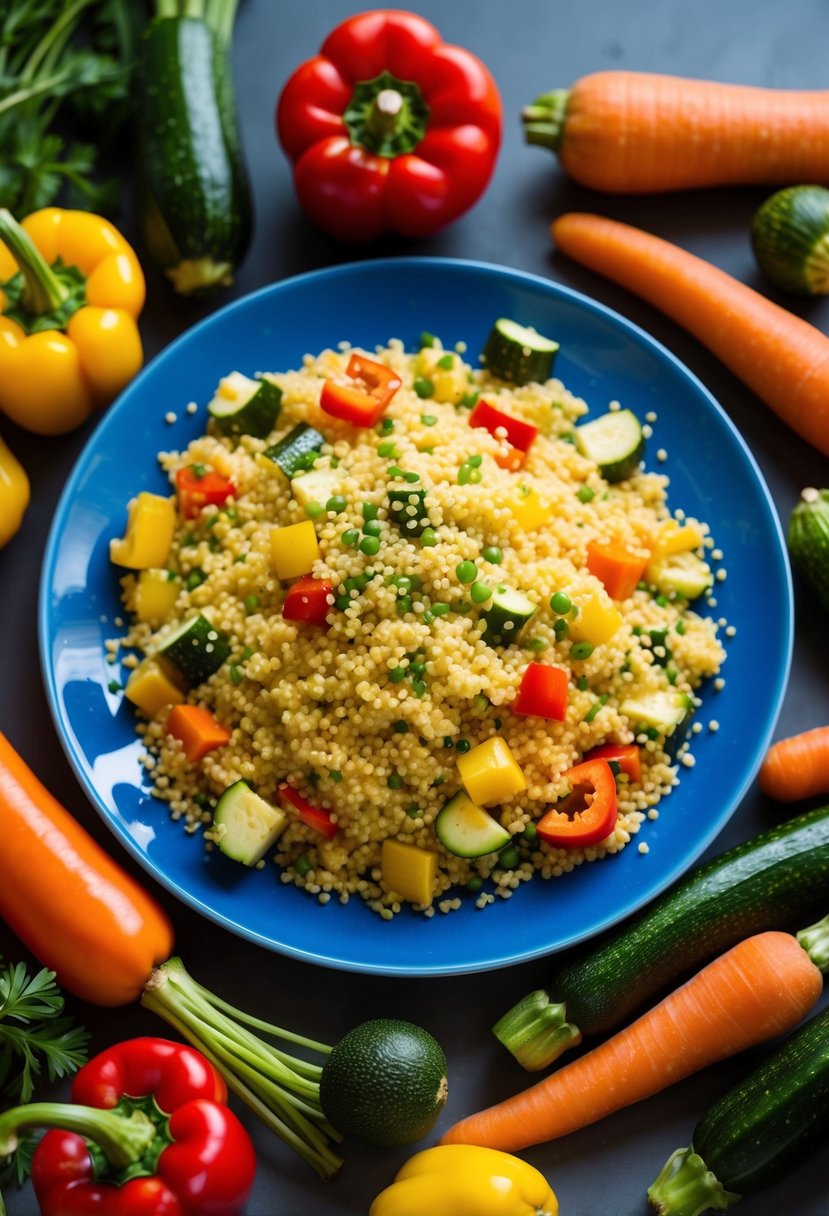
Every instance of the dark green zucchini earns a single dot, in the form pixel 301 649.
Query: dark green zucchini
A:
pixel 755 1134
pixel 768 882
pixel 192 190
pixel 808 542
pixel 790 237
pixel 518 353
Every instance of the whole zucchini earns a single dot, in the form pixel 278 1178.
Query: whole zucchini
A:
pixel 767 882
pixel 760 1130
pixel 790 238
pixel 808 542
pixel 192 190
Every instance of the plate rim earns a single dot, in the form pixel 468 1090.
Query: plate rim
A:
pixel 429 969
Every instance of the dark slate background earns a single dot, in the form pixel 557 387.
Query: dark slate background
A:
pixel 530 46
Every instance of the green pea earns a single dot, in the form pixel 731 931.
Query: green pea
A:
pixel 413 810
pixel 441 609
pixel 343 601
pixel 680 627
pixel 585 494
pixel 337 504
pixel 302 866
pixel 419 688
pixel 369 510
pixel 395 782
pixel 467 572
pixel 194 579
pixel 397 675
pixel 401 727
pixel 251 603
pixel 530 833
pixel 560 629
pixel 428 538
pixel 480 593
pixel 372 527
pixel 428 419
pixel 582 650
pixel 463 745
pixel 493 554
pixel 389 451
pixel 426 339
pixel 474 883
pixel 468 400
pixel 536 645
pixel 446 363
pixel 351 537
pixel 582 684
pixel 423 388
pixel 370 545
pixel 475 461
pixel 336 776
pixel 561 603
pixel 509 857
pixel 314 509
pixel 386 426
pixel 236 675
pixel 428 617
pixel 447 741
pixel 417 669
pixel 404 604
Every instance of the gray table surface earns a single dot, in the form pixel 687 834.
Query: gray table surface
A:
pixel 530 46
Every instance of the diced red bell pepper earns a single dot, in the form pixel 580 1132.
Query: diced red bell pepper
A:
pixel 518 434
pixel 307 600
pixel 198 487
pixel 588 813
pixel 363 402
pixel 626 755
pixel 313 816
pixel 542 692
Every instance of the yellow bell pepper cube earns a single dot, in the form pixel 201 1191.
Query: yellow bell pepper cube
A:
pixel 155 596
pixel 527 509
pixel 294 549
pixel 490 772
pixel 449 382
pixel 674 537
pixel 149 535
pixel 408 871
pixel 151 688
pixel 596 622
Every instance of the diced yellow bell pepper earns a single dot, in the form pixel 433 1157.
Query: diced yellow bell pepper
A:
pixel 596 622
pixel 527 509
pixel 674 537
pixel 151 689
pixel 294 549
pixel 408 871
pixel 450 383
pixel 155 596
pixel 490 772
pixel 149 535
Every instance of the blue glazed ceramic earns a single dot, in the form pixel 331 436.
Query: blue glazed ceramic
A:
pixel 603 358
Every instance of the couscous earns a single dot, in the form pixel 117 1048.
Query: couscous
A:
pixel 413 631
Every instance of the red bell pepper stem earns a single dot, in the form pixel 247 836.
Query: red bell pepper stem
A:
pixel 123 1139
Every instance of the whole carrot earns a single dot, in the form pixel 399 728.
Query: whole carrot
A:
pixel 759 989
pixel 797 767
pixel 782 358
pixel 644 133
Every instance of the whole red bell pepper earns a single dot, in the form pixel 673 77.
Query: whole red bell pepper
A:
pixel 389 128
pixel 147 1134
pixel 588 813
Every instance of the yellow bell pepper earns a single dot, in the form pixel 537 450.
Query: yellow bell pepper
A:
pixel 674 537
pixel 14 494
pixel 149 535
pixel 466 1180
pixel 527 508
pixel 294 549
pixel 154 596
pixel 151 688
pixel 596 622
pixel 71 289
pixel 408 871
pixel 490 772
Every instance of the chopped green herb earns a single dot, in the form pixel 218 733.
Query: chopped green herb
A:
pixel 418 688
pixel 389 451
pixel 236 674
pixel 114 686
pixel 582 684
pixel 597 705
pixel 680 627
pixel 441 609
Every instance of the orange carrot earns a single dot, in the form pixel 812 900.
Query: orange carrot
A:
pixel 644 133
pixel 197 730
pixel 616 567
pixel 759 989
pixel 783 359
pixel 797 767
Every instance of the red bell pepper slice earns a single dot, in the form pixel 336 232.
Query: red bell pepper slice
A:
pixel 166 1143
pixel 363 402
pixel 626 755
pixel 313 816
pixel 389 128
pixel 198 487
pixel 518 434
pixel 307 601
pixel 542 692
pixel 588 813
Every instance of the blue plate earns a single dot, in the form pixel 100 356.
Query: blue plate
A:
pixel 603 357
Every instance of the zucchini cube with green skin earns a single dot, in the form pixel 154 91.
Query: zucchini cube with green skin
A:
pixel 467 830
pixel 506 616
pixel 615 442
pixel 195 650
pixel 662 711
pixel 518 353
pixel 291 453
pixel 242 406
pixel 680 574
pixel 249 825
pixel 407 507
pixel 318 485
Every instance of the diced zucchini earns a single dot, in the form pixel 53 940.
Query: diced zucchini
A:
pixel 682 574
pixel 151 688
pixel 196 649
pixel 408 871
pixel 155 595
pixel 518 353
pixel 249 824
pixel 293 453
pixel 318 485
pixel 662 711
pixel 243 406
pixel 468 830
pixel 614 442
pixel 149 533
pixel 407 507
pixel 506 616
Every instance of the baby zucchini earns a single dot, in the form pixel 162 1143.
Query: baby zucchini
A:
pixel 790 236
pixel 765 1126
pixel 765 883
pixel 808 542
